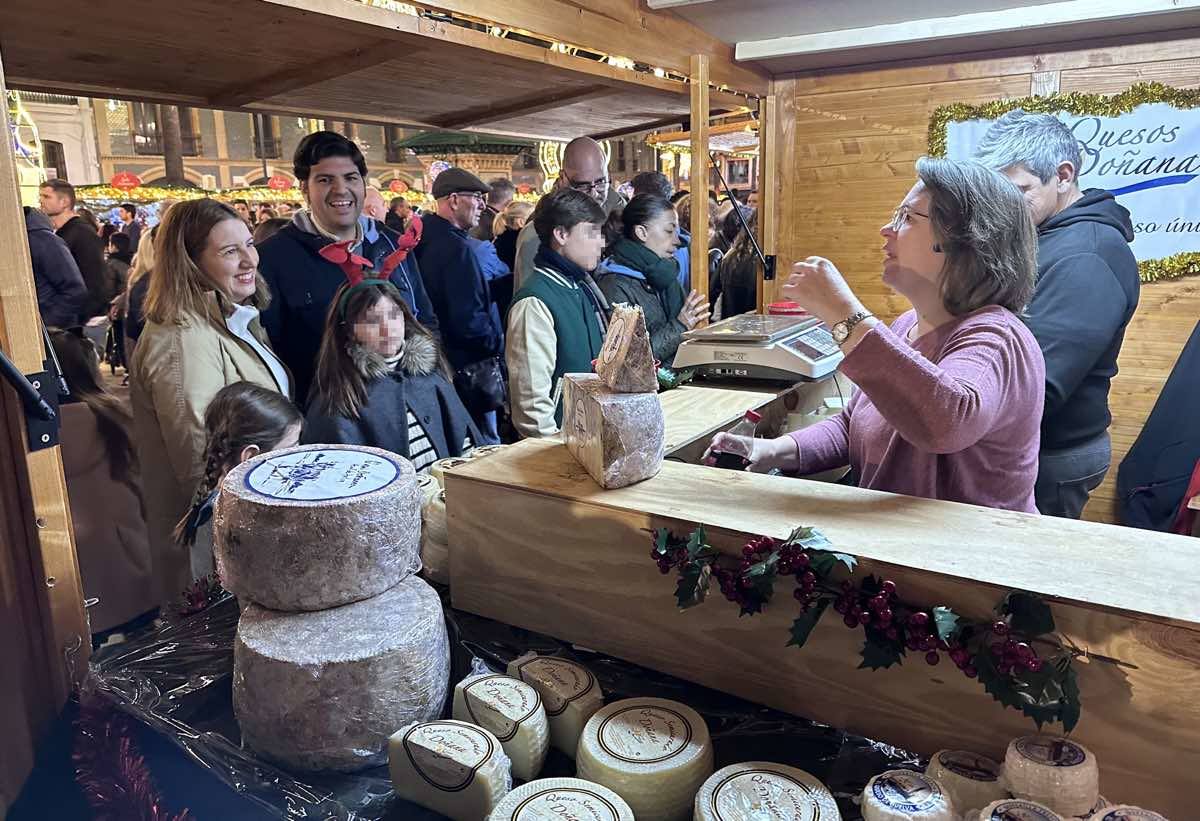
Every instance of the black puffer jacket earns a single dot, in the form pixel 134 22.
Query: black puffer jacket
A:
pixel 61 293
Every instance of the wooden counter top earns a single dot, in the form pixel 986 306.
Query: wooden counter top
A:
pixel 693 412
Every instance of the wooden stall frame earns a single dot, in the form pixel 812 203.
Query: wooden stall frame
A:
pixel 699 173
pixel 768 192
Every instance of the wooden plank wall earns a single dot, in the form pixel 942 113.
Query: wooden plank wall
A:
pixel 849 140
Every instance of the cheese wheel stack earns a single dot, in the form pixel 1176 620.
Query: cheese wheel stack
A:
pixel 1054 772
pixel 654 753
pixel 762 790
pixel 562 799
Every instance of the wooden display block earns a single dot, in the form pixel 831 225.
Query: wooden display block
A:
pixel 535 543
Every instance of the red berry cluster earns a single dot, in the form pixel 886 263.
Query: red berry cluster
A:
pixel 739 588
pixel 674 557
pixel 1011 655
pixel 862 607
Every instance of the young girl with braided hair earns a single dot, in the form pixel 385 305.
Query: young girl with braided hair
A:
pixel 242 421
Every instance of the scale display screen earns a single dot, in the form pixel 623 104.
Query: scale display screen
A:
pixel 815 344
pixel 752 328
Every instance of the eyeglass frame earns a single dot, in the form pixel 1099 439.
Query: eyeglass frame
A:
pixel 588 187
pixel 897 221
pixel 475 195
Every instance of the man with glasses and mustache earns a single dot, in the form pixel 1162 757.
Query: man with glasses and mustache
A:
pixel 472 336
pixel 585 169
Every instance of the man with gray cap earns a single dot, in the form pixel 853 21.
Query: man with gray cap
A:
pixel 470 324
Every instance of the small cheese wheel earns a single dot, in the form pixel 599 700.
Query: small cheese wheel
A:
pixel 902 795
pixel 569 691
pixel 561 799
pixel 973 781
pixel 761 790
pixel 1053 771
pixel 1017 809
pixel 513 711
pixel 325 690
pixel 654 753
pixel 1125 812
pixel 486 450
pixel 435 550
pixel 439 468
pixel 451 767
pixel 317 526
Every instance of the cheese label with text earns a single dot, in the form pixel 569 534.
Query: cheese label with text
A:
pixel 321 475
pixel 1054 752
pixel 1131 814
pixel 909 792
pixel 566 804
pixel 500 704
pixel 447 755
pixel 969 765
pixel 751 795
pixel 645 734
pixel 566 681
pixel 1017 810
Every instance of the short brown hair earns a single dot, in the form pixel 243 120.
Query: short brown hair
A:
pixel 983 226
pixel 62 188
pixel 177 285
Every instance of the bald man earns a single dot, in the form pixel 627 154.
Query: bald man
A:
pixel 585 169
pixel 374 206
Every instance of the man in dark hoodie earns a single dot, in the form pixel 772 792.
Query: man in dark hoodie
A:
pixel 61 294
pixel 299 268
pixel 1087 291
pixel 57 198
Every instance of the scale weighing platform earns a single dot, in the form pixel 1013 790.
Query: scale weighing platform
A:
pixel 755 346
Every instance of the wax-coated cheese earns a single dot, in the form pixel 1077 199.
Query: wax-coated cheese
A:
pixel 761 791
pixel 435 548
pixel 325 690
pixel 569 692
pixel 654 753
pixel 317 526
pixel 1053 771
pixel 1017 809
pixel 441 467
pixel 513 712
pixel 485 450
pixel 904 795
pixel 451 767
pixel 972 780
pixel 562 799
pixel 1125 812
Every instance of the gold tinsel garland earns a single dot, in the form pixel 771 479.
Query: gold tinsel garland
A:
pixel 1076 102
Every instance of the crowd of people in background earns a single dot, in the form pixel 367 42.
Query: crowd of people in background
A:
pixel 354 319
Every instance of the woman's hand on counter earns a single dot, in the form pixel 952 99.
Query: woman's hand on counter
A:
pixel 762 455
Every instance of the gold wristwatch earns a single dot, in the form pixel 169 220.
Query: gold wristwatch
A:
pixel 841 331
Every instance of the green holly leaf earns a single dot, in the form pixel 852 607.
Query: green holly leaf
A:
pixel 697 542
pixel 1029 614
pixel 946 621
pixel 805 622
pixel 662 537
pixel 692 587
pixel 764 567
pixel 998 686
pixel 1039 694
pixel 880 655
pixel 1071 703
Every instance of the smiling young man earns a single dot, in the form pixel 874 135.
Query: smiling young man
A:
pixel 332 174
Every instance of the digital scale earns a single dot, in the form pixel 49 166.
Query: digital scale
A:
pixel 756 346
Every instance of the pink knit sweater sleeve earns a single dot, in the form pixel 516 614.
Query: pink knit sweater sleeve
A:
pixel 825 445
pixel 943 407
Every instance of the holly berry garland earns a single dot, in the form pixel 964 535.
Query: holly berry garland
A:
pixel 1000 653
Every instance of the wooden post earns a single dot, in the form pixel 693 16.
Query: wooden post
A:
pixel 41 600
pixel 699 181
pixel 768 192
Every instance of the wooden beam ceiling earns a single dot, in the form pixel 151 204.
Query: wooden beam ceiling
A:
pixel 490 113
pixel 289 79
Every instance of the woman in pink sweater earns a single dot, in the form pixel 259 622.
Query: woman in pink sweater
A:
pixel 949 399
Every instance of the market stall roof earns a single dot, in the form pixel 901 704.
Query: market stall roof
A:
pixel 360 60
pixel 463 142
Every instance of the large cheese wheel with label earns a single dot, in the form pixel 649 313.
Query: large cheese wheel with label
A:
pixel 1053 771
pixel 562 799
pixel 317 526
pixel 325 690
pixel 569 692
pixel 513 712
pixel 451 767
pixel 1016 809
pixel 762 790
pixel 654 753
pixel 972 780
pixel 904 795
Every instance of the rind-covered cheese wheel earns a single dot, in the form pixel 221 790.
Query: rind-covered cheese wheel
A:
pixel 569 692
pixel 513 712
pixel 1125 812
pixel 441 467
pixel 562 799
pixel 325 690
pixel 972 780
pixel 317 526
pixel 1017 809
pixel 451 767
pixel 904 795
pixel 1053 771
pixel 654 753
pixel 761 790
pixel 435 548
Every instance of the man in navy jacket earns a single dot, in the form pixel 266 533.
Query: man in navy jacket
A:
pixel 455 280
pixel 332 174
